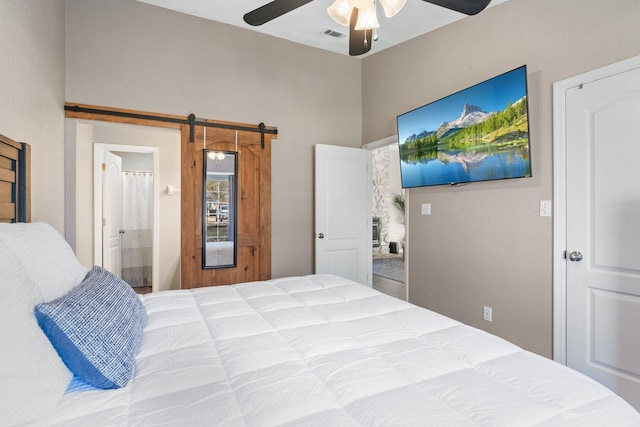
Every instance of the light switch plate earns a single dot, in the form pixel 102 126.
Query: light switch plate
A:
pixel 426 209
pixel 545 207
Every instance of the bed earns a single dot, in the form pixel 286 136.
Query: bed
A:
pixel 317 350
pixel 313 350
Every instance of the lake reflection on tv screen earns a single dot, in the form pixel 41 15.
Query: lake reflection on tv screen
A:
pixel 504 165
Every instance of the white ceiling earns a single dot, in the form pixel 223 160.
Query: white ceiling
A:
pixel 308 23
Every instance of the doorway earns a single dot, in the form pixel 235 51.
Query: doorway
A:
pixel 81 218
pixel 138 217
pixel 389 223
pixel 126 218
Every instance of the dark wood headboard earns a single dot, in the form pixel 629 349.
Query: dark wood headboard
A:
pixel 15 181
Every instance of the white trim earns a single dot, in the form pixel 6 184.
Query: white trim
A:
pixel 559 223
pixel 560 191
pixel 98 158
pixel 370 218
pixel 70 130
pixel 407 206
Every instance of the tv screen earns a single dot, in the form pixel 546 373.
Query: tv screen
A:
pixel 477 134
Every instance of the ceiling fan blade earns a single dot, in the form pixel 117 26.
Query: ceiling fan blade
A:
pixel 468 7
pixel 272 10
pixel 359 40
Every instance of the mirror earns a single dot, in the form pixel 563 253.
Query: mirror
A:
pixel 219 209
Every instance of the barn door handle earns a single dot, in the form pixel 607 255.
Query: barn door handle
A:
pixel 575 256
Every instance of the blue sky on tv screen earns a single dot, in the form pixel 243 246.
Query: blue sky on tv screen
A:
pixel 491 95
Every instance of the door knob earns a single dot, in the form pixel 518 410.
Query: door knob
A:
pixel 121 231
pixel 320 235
pixel 575 256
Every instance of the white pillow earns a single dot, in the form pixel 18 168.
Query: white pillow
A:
pixel 46 257
pixel 32 376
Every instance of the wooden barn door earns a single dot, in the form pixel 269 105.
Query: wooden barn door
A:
pixel 254 206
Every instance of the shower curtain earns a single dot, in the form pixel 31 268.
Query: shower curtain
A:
pixel 137 223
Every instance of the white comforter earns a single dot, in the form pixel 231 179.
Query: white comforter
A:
pixel 324 351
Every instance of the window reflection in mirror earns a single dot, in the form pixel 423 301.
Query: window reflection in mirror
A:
pixel 219 209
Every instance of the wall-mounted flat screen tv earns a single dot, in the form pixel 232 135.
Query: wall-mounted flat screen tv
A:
pixel 477 134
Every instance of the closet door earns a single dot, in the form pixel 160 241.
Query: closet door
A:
pixel 253 242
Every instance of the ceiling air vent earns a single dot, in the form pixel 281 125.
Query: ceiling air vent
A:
pixel 334 33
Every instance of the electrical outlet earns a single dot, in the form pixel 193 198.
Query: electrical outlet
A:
pixel 487 314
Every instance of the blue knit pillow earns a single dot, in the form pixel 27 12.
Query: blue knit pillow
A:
pixel 96 328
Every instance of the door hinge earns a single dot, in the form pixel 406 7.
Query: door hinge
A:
pixel 564 255
pixel 104 166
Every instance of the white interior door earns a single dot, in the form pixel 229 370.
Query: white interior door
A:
pixel 111 213
pixel 343 234
pixel 603 231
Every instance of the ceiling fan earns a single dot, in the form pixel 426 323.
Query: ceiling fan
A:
pixel 348 12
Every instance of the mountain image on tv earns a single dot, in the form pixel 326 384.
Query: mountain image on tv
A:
pixel 478 134
pixel 475 134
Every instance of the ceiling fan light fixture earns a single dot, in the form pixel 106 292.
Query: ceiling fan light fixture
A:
pixel 367 18
pixel 391 7
pixel 340 11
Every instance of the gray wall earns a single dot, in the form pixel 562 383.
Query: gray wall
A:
pixel 123 53
pixel 32 84
pixel 485 243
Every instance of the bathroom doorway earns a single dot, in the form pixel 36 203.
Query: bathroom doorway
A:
pixel 126 203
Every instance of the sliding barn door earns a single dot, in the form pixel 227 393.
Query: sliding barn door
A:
pixel 253 243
